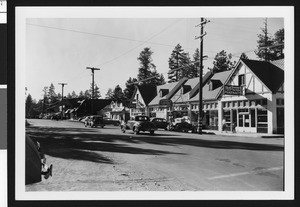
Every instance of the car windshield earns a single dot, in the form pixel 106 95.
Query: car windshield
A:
pixel 142 118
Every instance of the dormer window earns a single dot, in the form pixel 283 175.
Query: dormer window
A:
pixel 210 86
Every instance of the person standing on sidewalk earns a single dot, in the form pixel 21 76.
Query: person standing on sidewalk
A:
pixel 224 127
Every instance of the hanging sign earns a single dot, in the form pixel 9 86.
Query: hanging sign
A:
pixel 233 90
pixel 165 102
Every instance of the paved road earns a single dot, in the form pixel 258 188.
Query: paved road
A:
pixel 89 159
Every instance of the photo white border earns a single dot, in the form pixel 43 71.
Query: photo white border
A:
pixel 286 12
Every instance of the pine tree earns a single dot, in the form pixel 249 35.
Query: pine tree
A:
pixel 81 94
pixel 279 40
pixel 128 91
pixel 193 69
pixel 222 62
pixel 28 106
pixel 148 70
pixel 74 95
pixel 264 43
pixel 178 59
pixel 244 56
pixel 109 94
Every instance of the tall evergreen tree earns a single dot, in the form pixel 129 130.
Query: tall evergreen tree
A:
pixel 118 94
pixel 178 59
pixel 147 69
pixel 222 62
pixel 193 69
pixel 279 40
pixel 264 43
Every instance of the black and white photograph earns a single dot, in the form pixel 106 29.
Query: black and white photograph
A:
pixel 154 103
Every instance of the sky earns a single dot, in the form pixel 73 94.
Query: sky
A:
pixel 58 50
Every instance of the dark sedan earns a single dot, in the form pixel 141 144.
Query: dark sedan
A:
pixel 183 127
pixel 160 123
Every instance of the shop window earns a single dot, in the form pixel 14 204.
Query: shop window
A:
pixel 242 80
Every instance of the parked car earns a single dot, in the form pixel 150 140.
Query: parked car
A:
pixel 94 121
pixel 160 123
pixel 139 123
pixel 108 121
pixel 182 125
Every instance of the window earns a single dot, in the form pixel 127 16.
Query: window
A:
pixel 241 80
pixel 280 102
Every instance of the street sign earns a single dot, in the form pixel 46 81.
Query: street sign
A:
pixel 233 90
pixel 165 102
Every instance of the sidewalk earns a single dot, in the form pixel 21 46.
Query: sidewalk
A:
pixel 243 134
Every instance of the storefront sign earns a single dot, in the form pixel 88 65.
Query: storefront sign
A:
pixel 165 102
pixel 233 90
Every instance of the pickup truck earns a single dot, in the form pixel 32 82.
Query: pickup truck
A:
pixel 139 123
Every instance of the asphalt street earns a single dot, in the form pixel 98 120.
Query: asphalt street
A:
pixel 96 159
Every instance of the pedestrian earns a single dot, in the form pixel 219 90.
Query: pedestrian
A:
pixel 234 127
pixel 224 127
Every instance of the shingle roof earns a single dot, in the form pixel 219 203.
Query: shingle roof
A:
pixel 176 88
pixel 212 94
pixel 168 86
pixel 271 75
pixel 205 79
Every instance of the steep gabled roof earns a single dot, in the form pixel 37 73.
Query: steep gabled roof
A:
pixel 270 75
pixel 147 92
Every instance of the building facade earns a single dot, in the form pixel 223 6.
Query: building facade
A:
pixel 248 98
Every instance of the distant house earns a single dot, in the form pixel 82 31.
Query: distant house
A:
pixel 117 111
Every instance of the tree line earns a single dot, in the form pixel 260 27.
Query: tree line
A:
pixel 268 48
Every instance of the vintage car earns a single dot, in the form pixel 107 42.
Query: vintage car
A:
pixel 94 121
pixel 182 125
pixel 160 123
pixel 139 123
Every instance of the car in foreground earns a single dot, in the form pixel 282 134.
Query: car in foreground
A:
pixel 160 123
pixel 94 121
pixel 109 121
pixel 138 124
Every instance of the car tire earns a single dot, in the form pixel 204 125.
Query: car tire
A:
pixel 152 132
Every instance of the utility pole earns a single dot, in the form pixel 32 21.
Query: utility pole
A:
pixel 62 98
pixel 93 74
pixel 202 22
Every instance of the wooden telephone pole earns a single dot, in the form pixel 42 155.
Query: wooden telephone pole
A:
pixel 62 99
pixel 202 22
pixel 93 74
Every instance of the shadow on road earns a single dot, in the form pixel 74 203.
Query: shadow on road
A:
pixel 87 144
pixel 83 144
